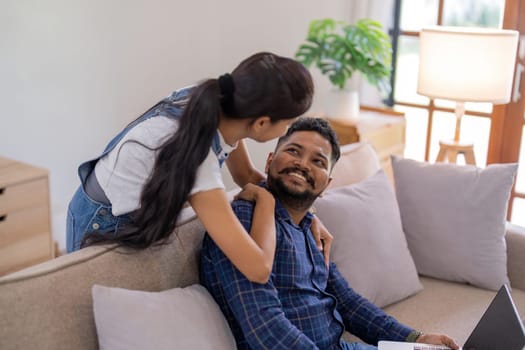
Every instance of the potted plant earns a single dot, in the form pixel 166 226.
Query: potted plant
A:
pixel 340 50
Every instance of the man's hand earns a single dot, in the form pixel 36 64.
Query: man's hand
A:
pixel 323 238
pixel 437 339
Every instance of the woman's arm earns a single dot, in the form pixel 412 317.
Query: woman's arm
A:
pixel 241 167
pixel 252 254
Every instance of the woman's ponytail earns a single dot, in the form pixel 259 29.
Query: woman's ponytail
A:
pixel 173 175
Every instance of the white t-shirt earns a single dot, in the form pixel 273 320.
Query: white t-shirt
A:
pixel 123 172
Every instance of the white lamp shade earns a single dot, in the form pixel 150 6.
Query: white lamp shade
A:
pixel 467 64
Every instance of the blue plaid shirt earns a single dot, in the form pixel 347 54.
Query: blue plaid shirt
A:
pixel 304 305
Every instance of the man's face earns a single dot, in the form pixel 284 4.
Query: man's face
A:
pixel 300 166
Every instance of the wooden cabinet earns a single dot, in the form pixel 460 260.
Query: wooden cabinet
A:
pixel 383 128
pixel 25 230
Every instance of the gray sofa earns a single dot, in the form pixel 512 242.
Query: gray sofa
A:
pixel 49 306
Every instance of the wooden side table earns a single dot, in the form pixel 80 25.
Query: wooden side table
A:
pixel 383 128
pixel 25 229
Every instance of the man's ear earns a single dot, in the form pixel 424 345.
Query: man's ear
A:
pixel 322 193
pixel 268 161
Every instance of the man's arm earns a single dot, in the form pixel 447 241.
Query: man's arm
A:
pixel 256 307
pixel 360 316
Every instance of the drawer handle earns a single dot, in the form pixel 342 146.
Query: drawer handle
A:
pixel 2 191
pixel 2 218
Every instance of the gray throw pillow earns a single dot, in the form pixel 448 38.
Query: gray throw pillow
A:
pixel 180 318
pixel 369 247
pixel 454 219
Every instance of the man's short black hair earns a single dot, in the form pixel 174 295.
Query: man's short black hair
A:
pixel 319 125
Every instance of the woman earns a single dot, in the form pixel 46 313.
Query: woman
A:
pixel 172 154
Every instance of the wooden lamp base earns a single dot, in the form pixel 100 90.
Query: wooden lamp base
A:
pixel 449 150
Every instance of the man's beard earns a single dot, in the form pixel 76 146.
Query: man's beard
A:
pixel 298 200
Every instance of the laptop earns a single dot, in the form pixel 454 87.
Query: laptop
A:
pixel 500 328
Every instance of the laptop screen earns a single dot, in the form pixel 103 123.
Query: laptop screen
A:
pixel 500 326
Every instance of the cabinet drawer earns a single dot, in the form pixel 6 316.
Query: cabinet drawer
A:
pixel 387 137
pixel 345 133
pixel 23 195
pixel 23 224
pixel 25 253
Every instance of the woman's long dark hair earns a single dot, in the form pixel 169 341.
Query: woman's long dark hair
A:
pixel 264 85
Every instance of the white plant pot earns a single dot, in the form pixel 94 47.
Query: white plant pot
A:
pixel 344 105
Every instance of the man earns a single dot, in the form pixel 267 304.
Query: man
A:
pixel 305 304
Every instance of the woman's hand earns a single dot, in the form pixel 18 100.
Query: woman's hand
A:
pixel 254 193
pixel 437 339
pixel 323 238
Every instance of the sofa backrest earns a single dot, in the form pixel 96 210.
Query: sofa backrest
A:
pixel 49 306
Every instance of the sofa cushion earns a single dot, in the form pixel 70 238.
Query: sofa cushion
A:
pixel 182 318
pixel 369 247
pixel 454 219
pixel 358 161
pixel 448 307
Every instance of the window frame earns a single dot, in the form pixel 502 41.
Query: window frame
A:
pixel 507 121
pixel 396 32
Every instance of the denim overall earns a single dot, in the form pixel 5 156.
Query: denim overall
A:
pixel 86 214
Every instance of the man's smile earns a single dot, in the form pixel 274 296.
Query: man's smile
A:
pixel 298 174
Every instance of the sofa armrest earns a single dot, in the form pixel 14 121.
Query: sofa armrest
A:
pixel 515 238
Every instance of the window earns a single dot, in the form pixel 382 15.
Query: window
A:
pixel 438 115
pixel 429 121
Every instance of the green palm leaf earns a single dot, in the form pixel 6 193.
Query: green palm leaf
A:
pixel 339 49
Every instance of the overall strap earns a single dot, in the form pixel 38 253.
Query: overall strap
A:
pixel 171 107
pixel 217 149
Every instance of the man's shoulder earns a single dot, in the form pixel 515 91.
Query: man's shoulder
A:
pixel 241 205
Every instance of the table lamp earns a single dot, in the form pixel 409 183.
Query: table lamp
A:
pixel 466 65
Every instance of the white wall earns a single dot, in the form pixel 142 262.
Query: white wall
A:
pixel 72 73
